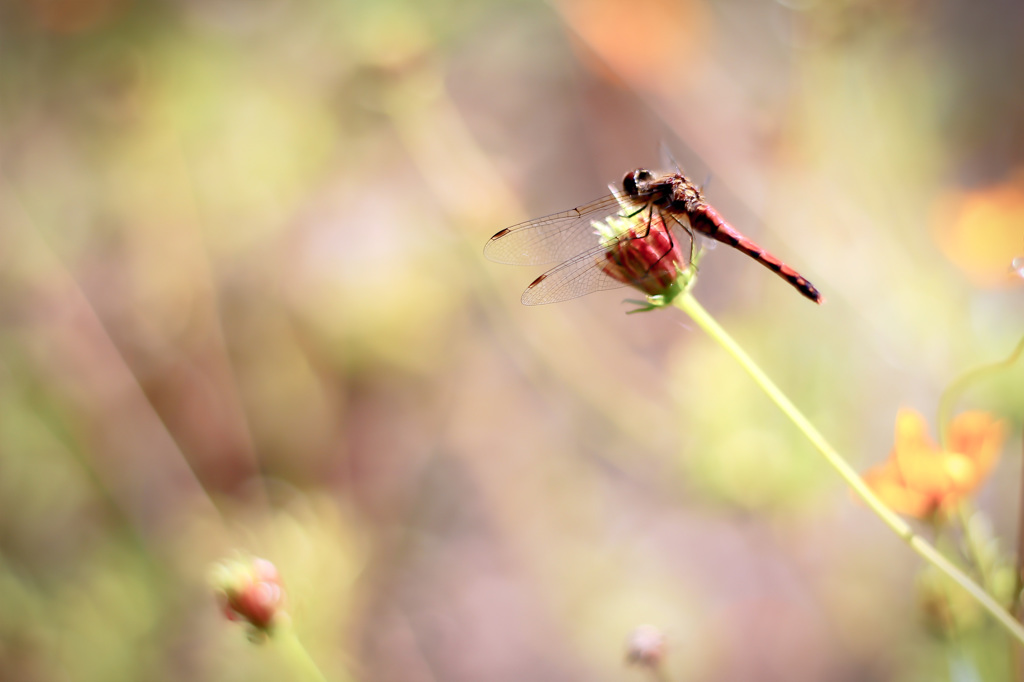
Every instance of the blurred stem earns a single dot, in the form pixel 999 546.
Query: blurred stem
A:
pixel 1019 584
pixel 688 304
pixel 658 674
pixel 954 390
pixel 287 639
pixel 1015 606
pixel 964 515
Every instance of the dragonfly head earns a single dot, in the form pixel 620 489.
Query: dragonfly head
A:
pixel 635 182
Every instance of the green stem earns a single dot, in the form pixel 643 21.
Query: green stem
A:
pixel 954 390
pixel 688 304
pixel 286 637
pixel 971 546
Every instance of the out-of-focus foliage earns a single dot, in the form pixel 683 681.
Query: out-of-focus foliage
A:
pixel 243 308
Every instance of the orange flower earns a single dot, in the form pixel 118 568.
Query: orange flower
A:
pixel 919 478
pixel 979 231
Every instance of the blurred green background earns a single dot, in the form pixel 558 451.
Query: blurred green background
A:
pixel 243 306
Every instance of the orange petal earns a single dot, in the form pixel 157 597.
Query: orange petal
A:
pixel 885 481
pixel 924 471
pixel 887 471
pixel 963 472
pixel 979 231
pixel 978 436
pixel 912 431
pixel 919 459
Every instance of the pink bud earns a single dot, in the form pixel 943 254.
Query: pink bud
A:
pixel 645 646
pixel 249 590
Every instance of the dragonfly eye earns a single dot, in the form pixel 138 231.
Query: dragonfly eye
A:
pixel 629 183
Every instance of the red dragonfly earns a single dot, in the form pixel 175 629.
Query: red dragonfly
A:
pixel 666 210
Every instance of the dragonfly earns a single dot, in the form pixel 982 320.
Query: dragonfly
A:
pixel 660 211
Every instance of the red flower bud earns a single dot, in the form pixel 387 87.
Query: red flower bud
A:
pixel 651 263
pixel 249 590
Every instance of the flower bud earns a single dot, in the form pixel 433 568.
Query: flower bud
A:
pixel 249 590
pixel 651 263
pixel 645 647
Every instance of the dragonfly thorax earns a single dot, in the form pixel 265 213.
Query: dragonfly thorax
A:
pixel 643 187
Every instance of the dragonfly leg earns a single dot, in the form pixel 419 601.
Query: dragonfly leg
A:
pixel 689 232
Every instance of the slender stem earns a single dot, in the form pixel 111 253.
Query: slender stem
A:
pixel 1018 585
pixel 658 674
pixel 954 390
pixel 1019 582
pixel 286 637
pixel 971 547
pixel 688 304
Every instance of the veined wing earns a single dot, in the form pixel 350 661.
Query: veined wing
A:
pixel 586 272
pixel 552 238
pixel 580 275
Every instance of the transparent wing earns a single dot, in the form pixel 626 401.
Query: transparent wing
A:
pixel 575 277
pixel 584 273
pixel 551 238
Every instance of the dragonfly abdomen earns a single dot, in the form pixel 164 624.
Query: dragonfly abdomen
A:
pixel 709 222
